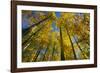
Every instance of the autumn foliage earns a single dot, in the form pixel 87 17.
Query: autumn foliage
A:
pixel 55 36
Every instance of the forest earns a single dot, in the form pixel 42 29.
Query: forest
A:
pixel 55 36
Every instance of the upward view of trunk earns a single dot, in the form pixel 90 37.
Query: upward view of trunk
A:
pixel 38 23
pixel 71 43
pixel 62 48
pixel 30 37
pixel 37 54
pixel 80 32
pixel 45 53
pixel 53 49
pixel 85 56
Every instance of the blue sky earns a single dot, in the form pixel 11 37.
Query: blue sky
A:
pixel 57 14
pixel 25 22
pixel 55 28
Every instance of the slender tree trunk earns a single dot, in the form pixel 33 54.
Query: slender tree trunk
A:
pixel 82 35
pixel 71 43
pixel 38 23
pixel 83 38
pixel 24 47
pixel 62 48
pixel 45 53
pixel 85 56
pixel 30 37
pixel 53 51
pixel 37 54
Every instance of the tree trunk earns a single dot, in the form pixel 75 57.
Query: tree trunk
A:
pixel 38 23
pixel 85 56
pixel 45 53
pixel 30 37
pixel 71 43
pixel 62 48
pixel 53 49
pixel 38 52
pixel 85 38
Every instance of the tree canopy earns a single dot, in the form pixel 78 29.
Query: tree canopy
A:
pixel 55 36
